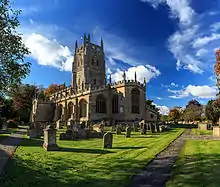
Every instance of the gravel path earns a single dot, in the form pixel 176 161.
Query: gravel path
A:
pixel 159 169
pixel 8 146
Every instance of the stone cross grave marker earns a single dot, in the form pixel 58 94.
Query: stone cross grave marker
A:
pixel 128 132
pixel 107 140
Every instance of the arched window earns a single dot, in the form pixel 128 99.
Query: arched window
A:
pixel 100 104
pixel 92 62
pixel 97 62
pixel 70 110
pixel 115 104
pixel 82 108
pixel 94 81
pixel 135 101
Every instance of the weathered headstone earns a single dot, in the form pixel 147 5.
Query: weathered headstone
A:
pixel 135 126
pixel 128 132
pixel 118 129
pixel 59 124
pixel 107 140
pixel 50 143
pixel 216 131
pixel 143 131
pixel 157 127
pixel 152 128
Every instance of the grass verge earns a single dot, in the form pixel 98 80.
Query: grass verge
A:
pixel 198 165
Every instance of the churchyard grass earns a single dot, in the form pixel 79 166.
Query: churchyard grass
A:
pixel 84 163
pixel 198 165
pixel 201 132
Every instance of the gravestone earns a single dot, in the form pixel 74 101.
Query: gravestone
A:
pixel 3 124
pixel 216 131
pixel 128 132
pixel 152 128
pixel 143 131
pixel 107 140
pixel 50 143
pixel 135 126
pixel 59 124
pixel 118 129
pixel 157 127
pixel 32 131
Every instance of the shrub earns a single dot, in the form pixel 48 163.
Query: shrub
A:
pixel 12 124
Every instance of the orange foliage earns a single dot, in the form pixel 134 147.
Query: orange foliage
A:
pixel 54 88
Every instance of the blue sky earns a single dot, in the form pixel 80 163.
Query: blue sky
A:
pixel 171 43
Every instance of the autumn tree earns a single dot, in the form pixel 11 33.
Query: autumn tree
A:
pixel 174 114
pixel 13 67
pixel 54 88
pixel 193 111
pixel 212 111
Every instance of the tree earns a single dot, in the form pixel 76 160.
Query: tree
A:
pixel 22 100
pixel 174 114
pixel 54 88
pixel 164 118
pixel 193 111
pixel 13 68
pixel 212 111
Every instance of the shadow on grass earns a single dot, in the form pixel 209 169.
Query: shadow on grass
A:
pixel 129 147
pixel 78 150
pixel 197 170
pixel 53 171
pixel 186 126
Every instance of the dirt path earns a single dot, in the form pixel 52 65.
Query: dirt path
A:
pixel 159 169
pixel 8 146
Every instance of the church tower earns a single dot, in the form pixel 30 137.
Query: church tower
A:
pixel 88 69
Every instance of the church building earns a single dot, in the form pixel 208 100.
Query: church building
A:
pixel 91 98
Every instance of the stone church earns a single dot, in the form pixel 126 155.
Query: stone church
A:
pixel 91 98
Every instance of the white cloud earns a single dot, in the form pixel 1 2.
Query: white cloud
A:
pixel 49 52
pixel 204 92
pixel 164 110
pixel 159 98
pixel 201 52
pixel 215 26
pixel 179 9
pixel 193 68
pixel 193 33
pixel 174 84
pixel 142 72
pixel 199 42
pixel 213 13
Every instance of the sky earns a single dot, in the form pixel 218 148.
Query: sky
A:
pixel 171 43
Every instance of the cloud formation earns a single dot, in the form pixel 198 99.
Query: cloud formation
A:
pixel 195 38
pixel 49 52
pixel 148 72
pixel 204 92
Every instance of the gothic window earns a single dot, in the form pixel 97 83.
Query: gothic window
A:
pixel 97 62
pixel 152 116
pixel 92 62
pixel 115 104
pixel 70 109
pixel 82 108
pixel 135 95
pixel 100 104
pixel 94 81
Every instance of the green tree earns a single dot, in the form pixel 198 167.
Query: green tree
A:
pixel 22 100
pixel 212 111
pixel 13 68
pixel 174 115
pixel 193 111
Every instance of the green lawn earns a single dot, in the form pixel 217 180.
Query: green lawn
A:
pixel 198 165
pixel 201 132
pixel 84 163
